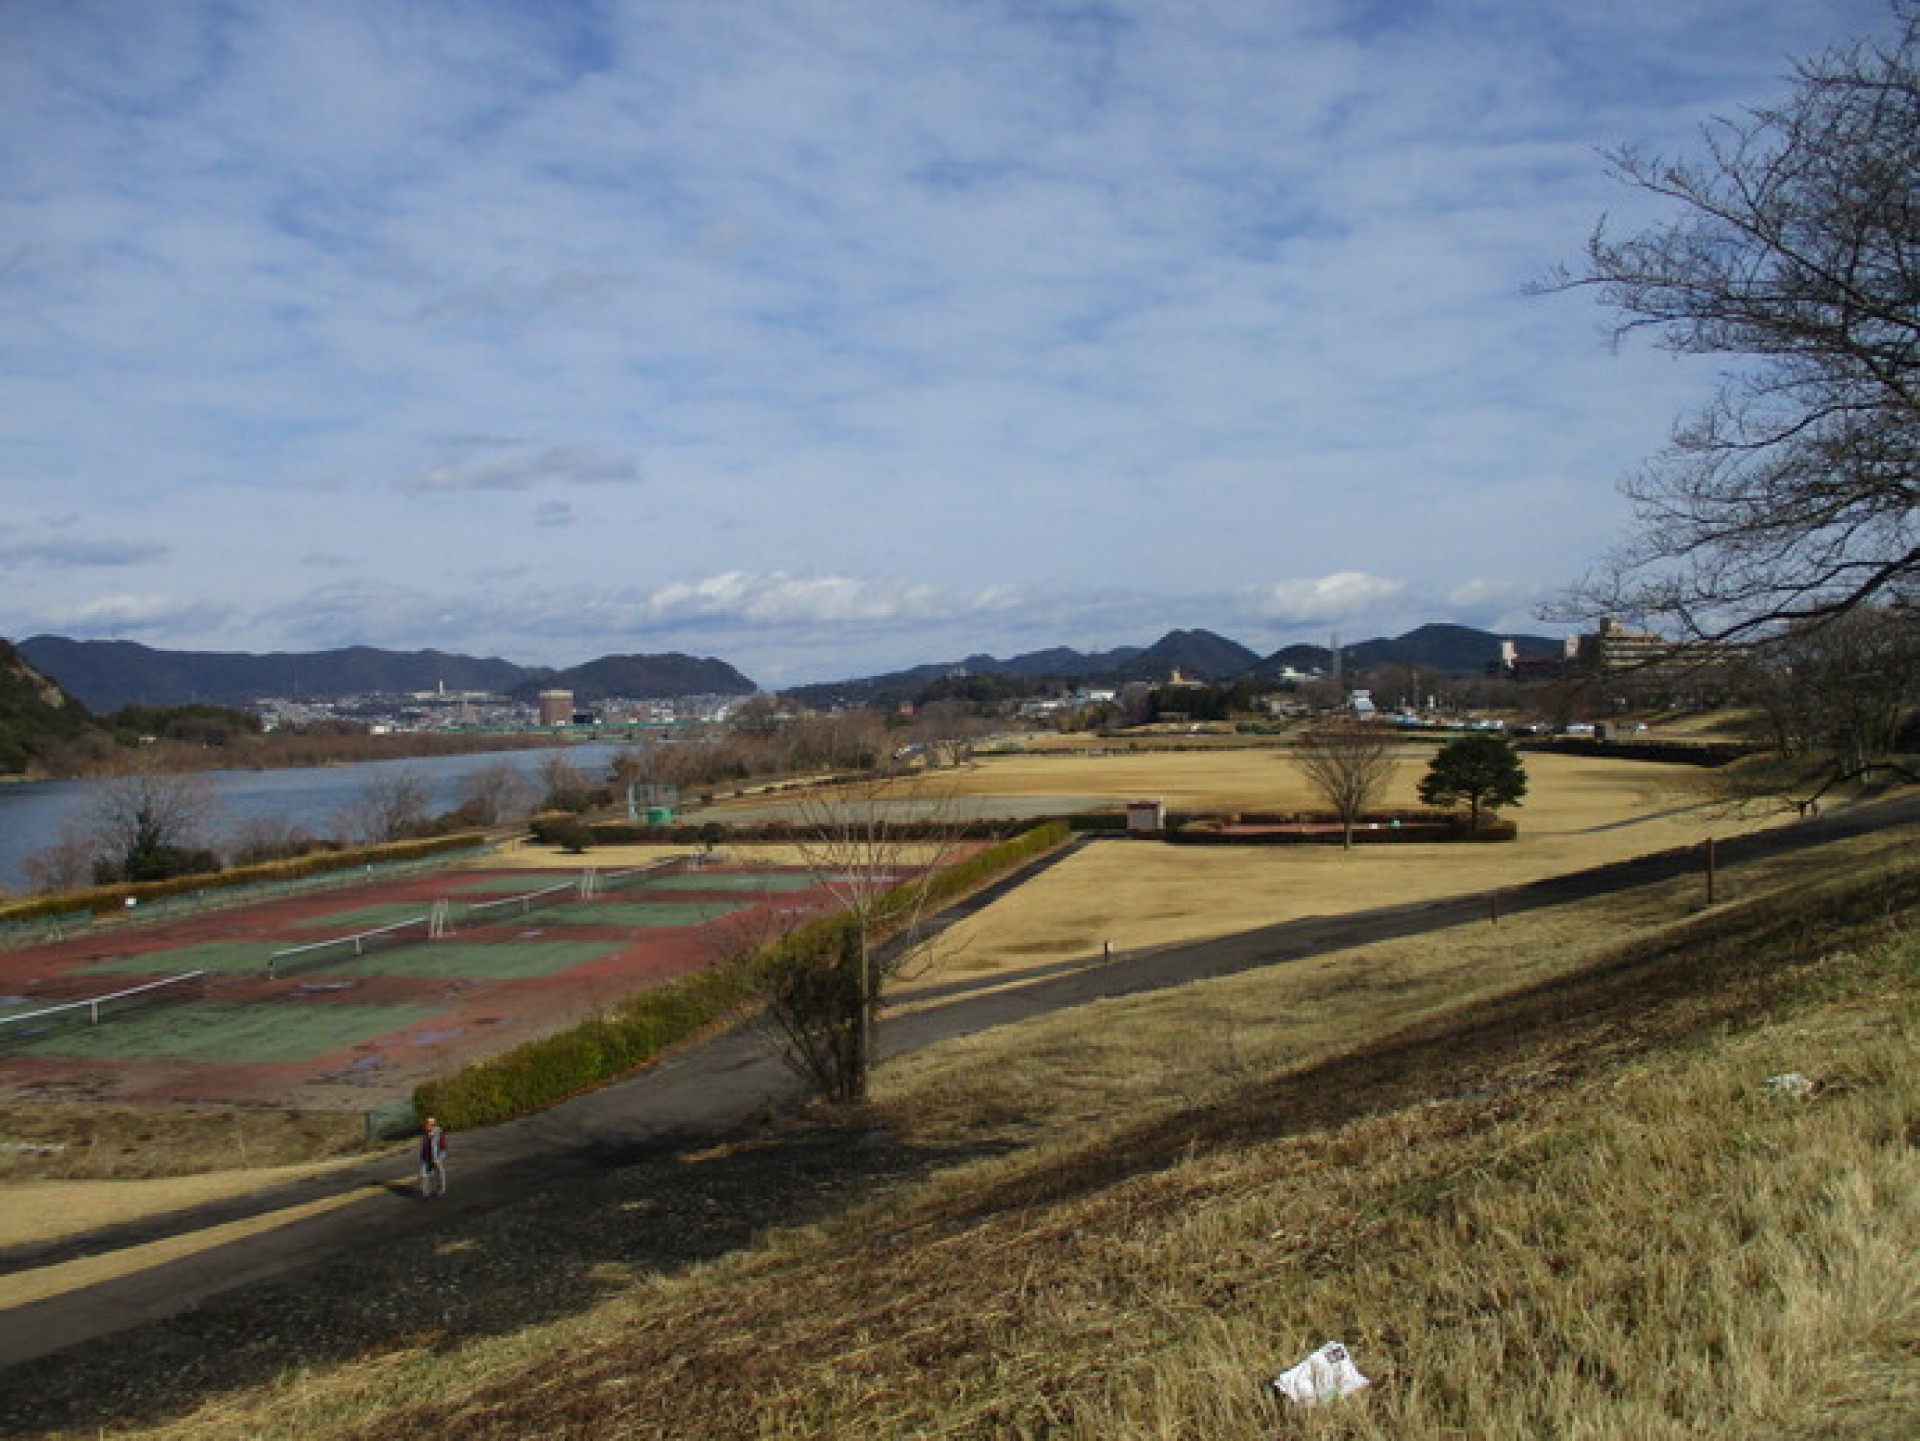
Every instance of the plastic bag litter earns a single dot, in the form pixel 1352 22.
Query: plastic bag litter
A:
pixel 1792 1083
pixel 1326 1375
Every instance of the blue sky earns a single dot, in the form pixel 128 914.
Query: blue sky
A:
pixel 828 337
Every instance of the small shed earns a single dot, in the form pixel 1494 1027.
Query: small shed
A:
pixel 1146 817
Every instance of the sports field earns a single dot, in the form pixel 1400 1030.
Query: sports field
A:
pixel 292 1013
pixel 344 1001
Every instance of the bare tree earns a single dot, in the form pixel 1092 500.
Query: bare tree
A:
pixel 494 794
pixel 564 787
pixel 875 845
pixel 268 838
pixel 66 865
pixel 1837 698
pixel 1794 494
pixel 147 824
pixel 390 806
pixel 1350 763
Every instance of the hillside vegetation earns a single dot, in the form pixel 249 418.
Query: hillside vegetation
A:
pixel 1533 1175
pixel 36 716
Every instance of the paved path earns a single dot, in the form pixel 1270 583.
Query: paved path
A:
pixel 712 1089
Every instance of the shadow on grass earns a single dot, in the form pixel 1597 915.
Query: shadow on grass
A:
pixel 457 1274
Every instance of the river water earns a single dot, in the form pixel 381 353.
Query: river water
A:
pixel 35 814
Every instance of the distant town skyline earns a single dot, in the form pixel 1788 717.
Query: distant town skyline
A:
pixel 829 338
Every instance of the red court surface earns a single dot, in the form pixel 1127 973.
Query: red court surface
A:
pixel 329 1029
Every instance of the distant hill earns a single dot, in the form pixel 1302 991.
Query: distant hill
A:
pixel 36 715
pixel 107 674
pixel 1454 649
pixel 654 676
pixel 1196 654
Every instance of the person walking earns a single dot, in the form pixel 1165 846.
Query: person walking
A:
pixel 433 1159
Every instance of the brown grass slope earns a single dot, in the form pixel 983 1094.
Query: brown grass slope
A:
pixel 1572 1209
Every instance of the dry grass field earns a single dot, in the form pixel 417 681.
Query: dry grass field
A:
pixel 1529 1172
pixel 1533 1177
pixel 1577 813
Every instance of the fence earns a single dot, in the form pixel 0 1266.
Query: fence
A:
pixel 341 948
pixel 23 1025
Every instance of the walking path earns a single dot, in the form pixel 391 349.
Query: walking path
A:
pixel 708 1091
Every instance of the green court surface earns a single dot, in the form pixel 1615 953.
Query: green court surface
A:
pixel 771 882
pixel 224 957
pixel 507 960
pixel 208 1031
pixel 639 913
pixel 345 923
pixel 514 885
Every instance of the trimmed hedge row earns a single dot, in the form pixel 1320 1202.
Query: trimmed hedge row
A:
pixel 546 829
pixel 545 1072
pixel 104 900
pixel 1428 828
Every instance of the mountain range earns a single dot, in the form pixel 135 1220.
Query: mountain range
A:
pixel 105 675
pixel 1197 655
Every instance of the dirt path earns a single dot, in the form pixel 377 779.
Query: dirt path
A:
pixel 552 1211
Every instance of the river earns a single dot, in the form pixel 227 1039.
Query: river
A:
pixel 35 814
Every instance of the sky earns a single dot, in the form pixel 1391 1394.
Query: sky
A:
pixel 828 337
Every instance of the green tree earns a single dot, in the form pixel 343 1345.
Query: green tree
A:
pixel 1482 769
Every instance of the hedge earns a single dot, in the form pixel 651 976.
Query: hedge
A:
pixel 545 1072
pixel 104 900
pixel 1381 828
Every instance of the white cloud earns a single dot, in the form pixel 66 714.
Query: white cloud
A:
pixel 1343 595
pixel 107 616
pixel 832 336
pixel 780 599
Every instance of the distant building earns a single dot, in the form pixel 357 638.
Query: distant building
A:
pixel 1146 817
pixel 1555 665
pixel 556 707
pixel 1618 647
pixel 1617 651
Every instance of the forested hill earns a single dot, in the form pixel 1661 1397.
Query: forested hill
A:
pixel 108 674
pixel 36 715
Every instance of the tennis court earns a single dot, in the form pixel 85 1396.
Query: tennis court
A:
pixel 214 1031
pixel 347 999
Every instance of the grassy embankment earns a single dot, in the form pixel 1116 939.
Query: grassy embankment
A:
pixel 1531 1174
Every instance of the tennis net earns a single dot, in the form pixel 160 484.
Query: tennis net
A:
pixel 335 949
pixel 24 1026
pixel 637 876
pixel 483 913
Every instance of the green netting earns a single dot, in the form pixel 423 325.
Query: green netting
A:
pixel 214 1031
